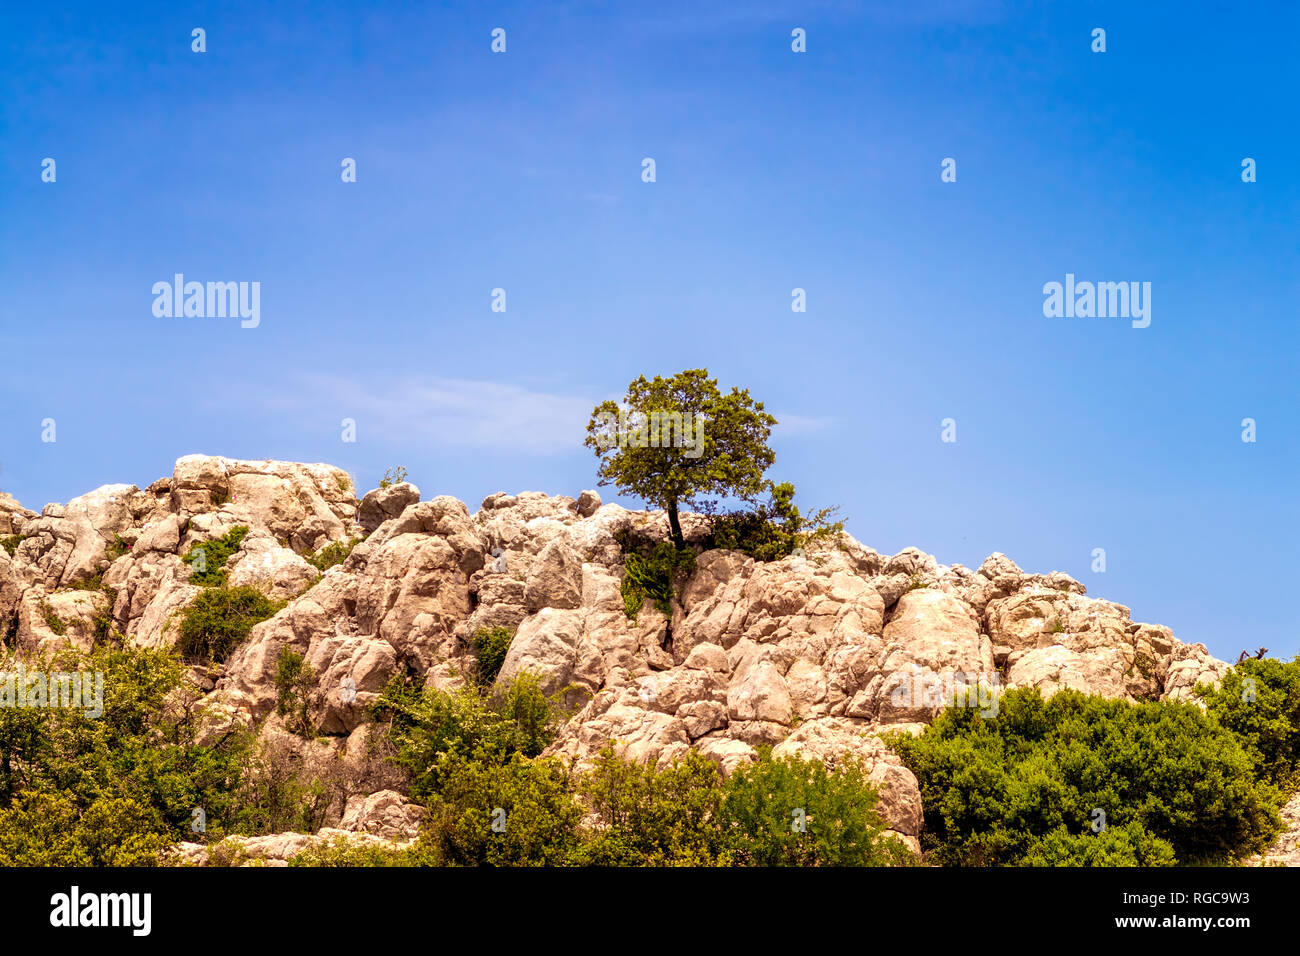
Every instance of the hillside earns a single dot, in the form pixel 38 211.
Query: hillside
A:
pixel 814 654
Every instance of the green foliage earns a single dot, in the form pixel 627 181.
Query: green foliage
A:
pixel 426 726
pixel 52 620
pixel 48 829
pixel 530 719
pixel 343 852
pixel 219 619
pixel 272 796
pixel 336 552
pixel 490 647
pixel 215 554
pixel 393 476
pixel 76 789
pixel 116 548
pixel 795 812
pixel 294 680
pixel 11 542
pixel 1259 701
pixel 653 576
pixel 1127 845
pixel 649 817
pixel 140 749
pixel 727 455
pixel 1017 787
pixel 530 801
pixel 774 529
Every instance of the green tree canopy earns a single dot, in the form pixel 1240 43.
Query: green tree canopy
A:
pixel 674 440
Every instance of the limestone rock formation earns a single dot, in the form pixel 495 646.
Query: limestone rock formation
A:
pixel 817 653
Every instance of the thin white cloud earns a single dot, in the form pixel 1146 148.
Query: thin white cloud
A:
pixel 459 413
pixel 450 413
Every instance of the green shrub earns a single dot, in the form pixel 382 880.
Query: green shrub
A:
pixel 116 548
pixel 773 529
pixel 218 621
pixel 336 552
pixel 490 647
pixel 795 812
pixel 1259 701
pixel 343 852
pixel 273 795
pixel 45 829
pixel 294 680
pixel 12 542
pixel 393 476
pixel 487 812
pixel 52 620
pixel 1128 845
pixel 214 553
pixel 529 718
pixel 653 576
pixel 426 725
pixel 649 817
pixel 993 789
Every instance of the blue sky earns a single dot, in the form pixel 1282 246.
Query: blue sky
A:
pixel 775 170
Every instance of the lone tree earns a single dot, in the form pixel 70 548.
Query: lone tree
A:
pixel 676 439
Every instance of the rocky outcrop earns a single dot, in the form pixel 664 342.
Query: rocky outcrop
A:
pixel 817 653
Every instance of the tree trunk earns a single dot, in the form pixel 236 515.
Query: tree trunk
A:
pixel 676 525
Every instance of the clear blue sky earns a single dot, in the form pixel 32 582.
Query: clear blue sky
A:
pixel 775 170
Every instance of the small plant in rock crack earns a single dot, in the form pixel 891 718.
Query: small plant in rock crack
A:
pixel 52 620
pixel 653 576
pixel 336 552
pixel 393 476
pixel 116 548
pixel 490 647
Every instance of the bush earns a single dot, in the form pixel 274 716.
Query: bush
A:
pixel 294 680
pixel 993 789
pixel 427 725
pixel 518 812
pixel 11 542
pixel 116 548
pixel 772 530
pixel 653 576
pixel 272 795
pixel 1128 845
pixel 44 829
pixel 211 557
pixel 649 817
pixel 490 647
pixel 343 852
pixel 1259 701
pixel 794 812
pixel 336 552
pixel 218 621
